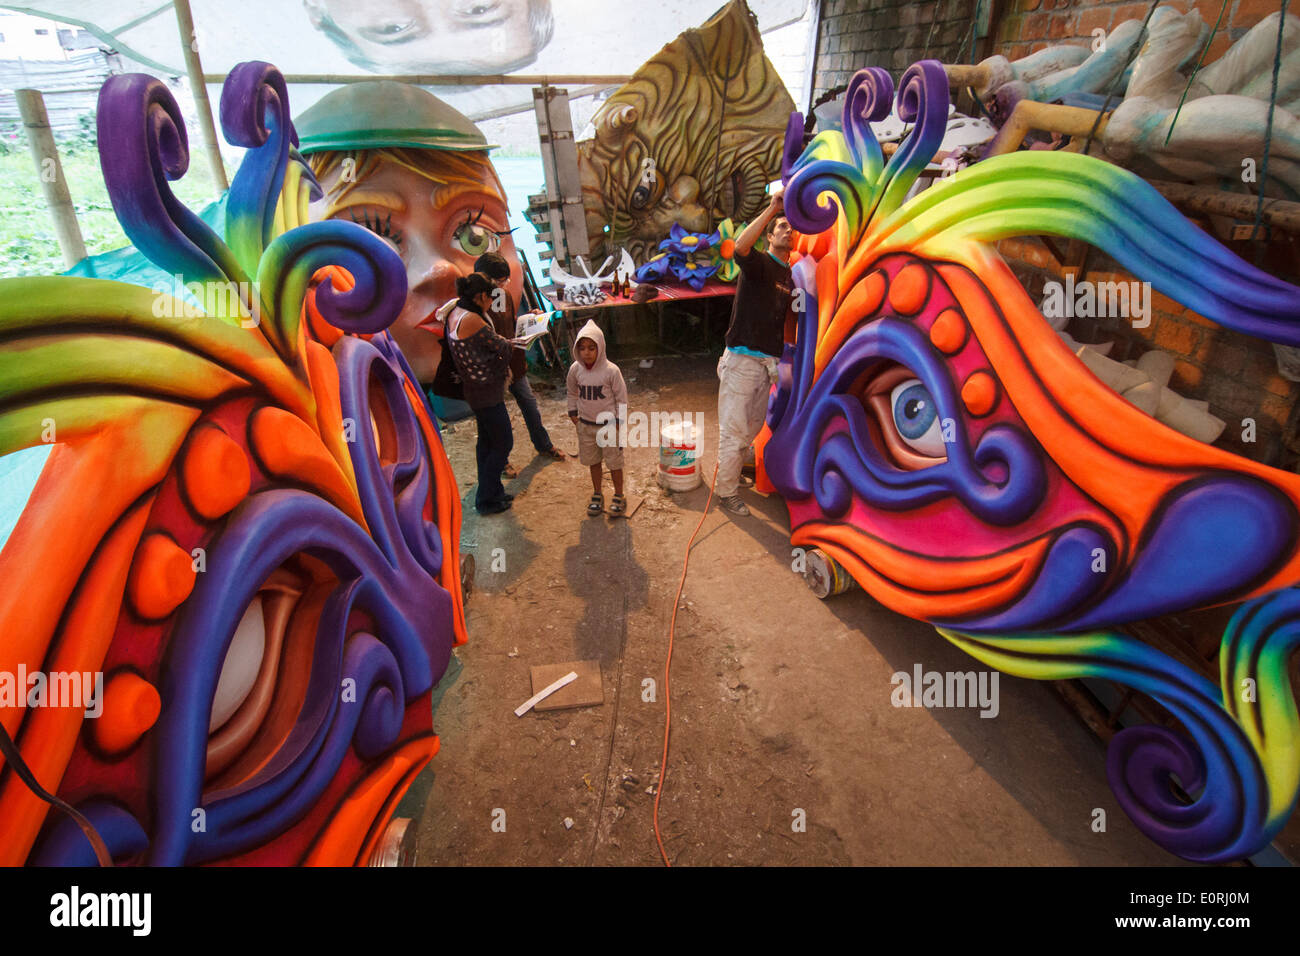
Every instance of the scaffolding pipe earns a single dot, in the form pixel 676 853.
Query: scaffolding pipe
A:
pixel 450 79
pixel 199 89
pixel 1049 117
pixel 31 106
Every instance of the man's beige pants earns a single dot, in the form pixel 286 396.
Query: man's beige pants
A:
pixel 745 386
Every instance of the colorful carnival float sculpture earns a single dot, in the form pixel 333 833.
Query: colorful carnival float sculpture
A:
pixel 933 434
pixel 251 535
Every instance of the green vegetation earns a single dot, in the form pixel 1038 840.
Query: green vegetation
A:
pixel 27 243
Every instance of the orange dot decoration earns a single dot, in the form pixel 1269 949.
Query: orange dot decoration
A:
pixel 866 297
pixel 727 249
pixel 979 393
pixel 949 331
pixel 161 577
pixel 214 473
pixel 910 289
pixel 131 707
pixel 287 448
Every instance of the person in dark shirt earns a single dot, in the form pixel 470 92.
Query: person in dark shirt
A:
pixel 764 297
pixel 497 269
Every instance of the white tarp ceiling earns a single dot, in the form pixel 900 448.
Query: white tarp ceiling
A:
pixel 366 37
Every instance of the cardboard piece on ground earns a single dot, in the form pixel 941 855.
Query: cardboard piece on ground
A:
pixel 633 502
pixel 546 692
pixel 586 691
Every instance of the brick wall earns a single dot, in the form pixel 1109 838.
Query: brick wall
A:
pixel 893 34
pixel 1027 26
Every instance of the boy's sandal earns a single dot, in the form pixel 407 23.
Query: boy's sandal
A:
pixel 510 471
pixel 618 505
pixel 597 505
pixel 555 453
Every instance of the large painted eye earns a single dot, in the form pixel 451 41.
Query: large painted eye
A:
pixel 391 31
pixel 640 197
pixel 474 239
pixel 903 416
pixel 917 417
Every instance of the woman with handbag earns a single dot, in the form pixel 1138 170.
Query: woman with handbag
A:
pixel 482 360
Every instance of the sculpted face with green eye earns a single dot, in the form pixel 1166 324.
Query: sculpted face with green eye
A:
pixel 440 209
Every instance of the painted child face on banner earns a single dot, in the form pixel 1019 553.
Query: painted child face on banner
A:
pixel 435 36
pixel 440 210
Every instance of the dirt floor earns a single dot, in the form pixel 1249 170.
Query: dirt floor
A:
pixel 781 702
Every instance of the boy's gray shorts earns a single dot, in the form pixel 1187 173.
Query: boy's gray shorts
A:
pixel 590 451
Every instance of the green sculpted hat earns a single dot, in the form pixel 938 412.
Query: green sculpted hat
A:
pixel 380 113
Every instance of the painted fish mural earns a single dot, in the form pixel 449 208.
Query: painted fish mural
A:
pixel 246 521
pixel 693 138
pixel 933 434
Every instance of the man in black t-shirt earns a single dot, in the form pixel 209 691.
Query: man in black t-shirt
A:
pixel 764 297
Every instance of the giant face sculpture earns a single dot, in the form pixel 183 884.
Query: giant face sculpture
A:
pixel 251 535
pixel 399 161
pixel 692 139
pixel 934 435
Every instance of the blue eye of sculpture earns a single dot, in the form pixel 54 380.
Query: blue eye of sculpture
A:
pixel 917 417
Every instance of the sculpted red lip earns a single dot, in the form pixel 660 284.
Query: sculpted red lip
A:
pixel 430 323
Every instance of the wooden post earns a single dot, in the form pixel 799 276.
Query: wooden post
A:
pixel 189 47
pixel 568 219
pixel 31 105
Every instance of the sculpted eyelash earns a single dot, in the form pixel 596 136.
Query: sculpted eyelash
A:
pixel 471 219
pixel 382 228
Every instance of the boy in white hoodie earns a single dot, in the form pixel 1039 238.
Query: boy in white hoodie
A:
pixel 597 397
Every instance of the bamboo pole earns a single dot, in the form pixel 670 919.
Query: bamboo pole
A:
pixel 199 89
pixel 961 75
pixel 450 79
pixel 1206 199
pixel 31 105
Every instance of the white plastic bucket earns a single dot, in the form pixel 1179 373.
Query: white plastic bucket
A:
pixel 679 453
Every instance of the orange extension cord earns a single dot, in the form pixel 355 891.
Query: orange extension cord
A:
pixel 668 700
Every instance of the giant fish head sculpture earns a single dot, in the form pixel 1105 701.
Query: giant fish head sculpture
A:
pixel 693 138
pixel 249 536
pixel 933 434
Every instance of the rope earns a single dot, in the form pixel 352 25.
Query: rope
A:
pixel 1268 129
pixel 717 154
pixel 1191 79
pixel 1105 107
pixel 974 25
pixel 14 759
pixel 933 23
